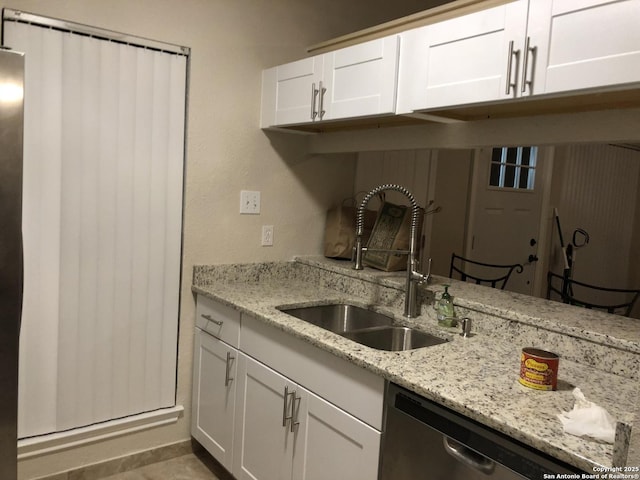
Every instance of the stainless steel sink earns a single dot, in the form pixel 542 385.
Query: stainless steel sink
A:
pixel 340 318
pixel 394 338
pixel 364 326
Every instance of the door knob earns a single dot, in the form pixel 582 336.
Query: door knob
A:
pixel 532 242
pixel 533 258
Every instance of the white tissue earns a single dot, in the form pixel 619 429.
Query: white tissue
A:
pixel 588 419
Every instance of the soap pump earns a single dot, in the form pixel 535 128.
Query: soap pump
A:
pixel 445 312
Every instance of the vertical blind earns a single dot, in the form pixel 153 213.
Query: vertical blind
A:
pixel 102 223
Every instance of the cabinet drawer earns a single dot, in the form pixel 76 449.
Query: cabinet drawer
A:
pixel 218 320
pixel 348 386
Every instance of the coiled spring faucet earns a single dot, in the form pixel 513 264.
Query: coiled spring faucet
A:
pixel 414 277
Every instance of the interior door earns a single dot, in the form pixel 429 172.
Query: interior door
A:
pixel 505 221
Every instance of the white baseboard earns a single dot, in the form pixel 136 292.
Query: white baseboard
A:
pixel 54 442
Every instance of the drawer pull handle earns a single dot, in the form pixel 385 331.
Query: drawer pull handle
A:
pixel 285 404
pixel 294 411
pixel 525 66
pixel 209 318
pixel 321 111
pixel 227 374
pixel 314 94
pixel 512 53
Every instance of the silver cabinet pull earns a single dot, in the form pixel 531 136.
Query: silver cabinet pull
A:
pixel 227 373
pixel 285 404
pixel 314 95
pixel 322 92
pixel 512 53
pixel 525 66
pixel 211 319
pixel 294 411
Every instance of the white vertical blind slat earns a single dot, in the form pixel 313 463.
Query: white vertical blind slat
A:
pixel 103 218
pixel 41 215
pixel 141 237
pixel 173 225
pixel 124 224
pixel 106 214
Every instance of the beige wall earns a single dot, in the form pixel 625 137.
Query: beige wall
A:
pixel 231 42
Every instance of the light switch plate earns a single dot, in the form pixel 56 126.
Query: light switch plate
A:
pixel 249 202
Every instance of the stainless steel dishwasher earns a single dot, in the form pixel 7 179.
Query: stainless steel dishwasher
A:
pixel 426 441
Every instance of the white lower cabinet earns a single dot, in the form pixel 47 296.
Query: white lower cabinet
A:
pixel 214 396
pixel 252 412
pixel 284 431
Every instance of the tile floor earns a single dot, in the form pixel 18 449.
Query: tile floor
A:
pixel 187 467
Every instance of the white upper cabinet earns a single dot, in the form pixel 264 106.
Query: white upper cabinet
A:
pixel 584 44
pixel 355 81
pixel 520 49
pixel 290 92
pixel 468 59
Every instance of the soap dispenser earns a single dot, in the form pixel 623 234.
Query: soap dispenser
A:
pixel 445 312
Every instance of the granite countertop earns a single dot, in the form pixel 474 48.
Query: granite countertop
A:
pixel 475 376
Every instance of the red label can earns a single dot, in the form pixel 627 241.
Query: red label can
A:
pixel 539 369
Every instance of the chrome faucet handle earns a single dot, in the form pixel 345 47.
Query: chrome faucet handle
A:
pixel 427 275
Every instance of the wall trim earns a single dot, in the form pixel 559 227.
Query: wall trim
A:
pixel 54 442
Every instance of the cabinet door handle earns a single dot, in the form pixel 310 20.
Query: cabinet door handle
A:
pixel 209 318
pixel 294 411
pixel 285 404
pixel 512 53
pixel 322 92
pixel 525 66
pixel 227 373
pixel 314 95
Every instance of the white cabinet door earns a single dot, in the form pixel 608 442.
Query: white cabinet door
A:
pixel 361 80
pixel 263 439
pixel 290 92
pixel 214 396
pixel 351 82
pixel 464 60
pixel 283 431
pixel 584 44
pixel 331 443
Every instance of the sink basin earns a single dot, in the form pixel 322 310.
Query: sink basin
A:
pixel 394 338
pixel 340 318
pixel 364 326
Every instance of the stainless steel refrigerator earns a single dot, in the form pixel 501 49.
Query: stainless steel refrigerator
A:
pixel 11 128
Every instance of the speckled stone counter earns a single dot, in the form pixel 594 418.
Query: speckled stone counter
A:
pixel 476 376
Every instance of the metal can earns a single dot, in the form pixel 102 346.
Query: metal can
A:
pixel 539 369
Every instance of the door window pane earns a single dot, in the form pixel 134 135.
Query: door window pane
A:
pixel 513 167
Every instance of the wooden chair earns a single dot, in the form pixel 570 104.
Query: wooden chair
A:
pixel 613 300
pixel 493 275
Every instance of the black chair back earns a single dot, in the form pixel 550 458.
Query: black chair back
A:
pixel 612 300
pixel 494 275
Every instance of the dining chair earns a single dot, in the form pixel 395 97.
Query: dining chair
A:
pixel 481 273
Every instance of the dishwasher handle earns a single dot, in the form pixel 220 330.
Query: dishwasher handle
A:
pixel 467 456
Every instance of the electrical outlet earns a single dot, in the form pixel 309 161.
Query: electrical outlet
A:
pixel 249 202
pixel 267 235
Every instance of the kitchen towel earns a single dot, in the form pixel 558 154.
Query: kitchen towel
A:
pixel 588 419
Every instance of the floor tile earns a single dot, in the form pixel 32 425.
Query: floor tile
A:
pixel 187 467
